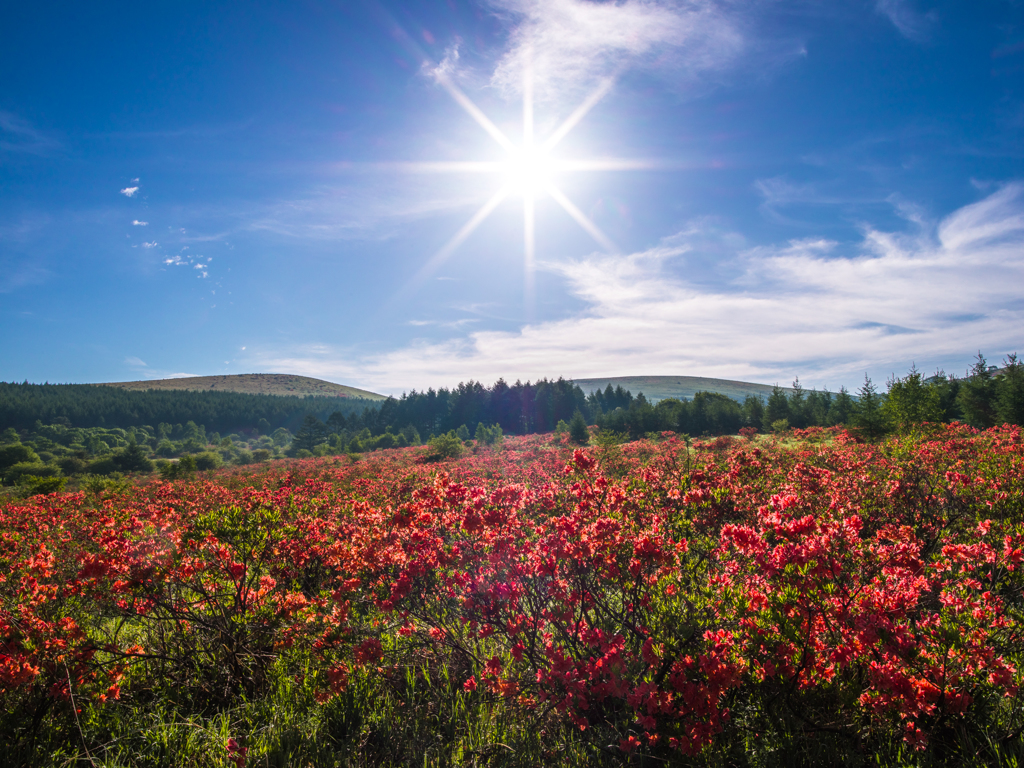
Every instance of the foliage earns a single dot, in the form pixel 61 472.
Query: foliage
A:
pixel 88 405
pixel 490 435
pixel 578 431
pixel 737 603
pixel 909 402
pixel 870 417
pixel 446 446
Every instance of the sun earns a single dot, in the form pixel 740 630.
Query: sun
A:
pixel 528 170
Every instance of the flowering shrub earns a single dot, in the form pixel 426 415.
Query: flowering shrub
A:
pixel 656 598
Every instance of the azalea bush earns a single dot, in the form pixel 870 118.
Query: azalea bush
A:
pixel 727 602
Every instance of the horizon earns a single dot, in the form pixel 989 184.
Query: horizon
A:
pixel 433 193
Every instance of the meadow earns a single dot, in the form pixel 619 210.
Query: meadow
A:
pixel 807 598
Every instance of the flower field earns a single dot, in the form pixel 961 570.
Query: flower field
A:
pixel 735 602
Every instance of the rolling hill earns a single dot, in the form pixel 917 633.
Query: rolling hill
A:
pixel 663 387
pixel 251 384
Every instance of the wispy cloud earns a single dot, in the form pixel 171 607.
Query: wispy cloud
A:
pixel 130 191
pixel 137 223
pixel 153 244
pixel 134 362
pixel 573 44
pixel 798 308
pixel 912 24
pixel 356 212
pixel 19 136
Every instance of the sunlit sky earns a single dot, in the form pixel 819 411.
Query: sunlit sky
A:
pixel 403 195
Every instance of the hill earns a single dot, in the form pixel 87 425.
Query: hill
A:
pixel 657 388
pixel 250 384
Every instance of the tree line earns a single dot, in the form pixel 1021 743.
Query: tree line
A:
pixel 983 398
pixel 92 405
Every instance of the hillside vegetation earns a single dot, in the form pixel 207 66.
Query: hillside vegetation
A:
pixel 656 388
pixel 251 384
pixel 754 603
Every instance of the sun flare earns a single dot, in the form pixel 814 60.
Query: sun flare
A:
pixel 529 170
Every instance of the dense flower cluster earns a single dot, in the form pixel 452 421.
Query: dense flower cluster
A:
pixel 658 595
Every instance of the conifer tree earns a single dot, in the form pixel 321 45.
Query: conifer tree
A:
pixel 869 416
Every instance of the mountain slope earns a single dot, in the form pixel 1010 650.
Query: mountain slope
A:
pixel 663 387
pixel 252 384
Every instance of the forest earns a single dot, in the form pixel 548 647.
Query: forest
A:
pixel 109 433
pixel 95 405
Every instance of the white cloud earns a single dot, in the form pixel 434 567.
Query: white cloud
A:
pixel 911 24
pixel 137 223
pixel 573 44
pixel 129 191
pixel 134 362
pixel 796 309
pixel 153 244
pixel 448 68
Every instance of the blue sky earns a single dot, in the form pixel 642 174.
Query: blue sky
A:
pixel 751 190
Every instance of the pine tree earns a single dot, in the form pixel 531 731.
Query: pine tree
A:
pixel 310 434
pixel 1010 392
pixel 578 431
pixel 869 416
pixel 977 397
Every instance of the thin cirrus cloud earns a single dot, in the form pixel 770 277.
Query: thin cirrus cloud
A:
pixel 796 309
pixel 571 44
pixel 911 23
pixel 21 137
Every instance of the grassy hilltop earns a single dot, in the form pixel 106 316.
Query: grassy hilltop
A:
pixel 657 388
pixel 251 384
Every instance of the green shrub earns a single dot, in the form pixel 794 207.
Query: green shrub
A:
pixel 489 435
pixel 447 446
pixel 16 454
pixel 71 465
pixel 14 474
pixel 32 485
pixel 208 460
pixel 102 466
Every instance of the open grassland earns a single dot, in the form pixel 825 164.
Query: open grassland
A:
pixel 251 384
pixel 818 601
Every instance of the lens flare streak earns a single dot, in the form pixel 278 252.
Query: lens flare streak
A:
pixel 528 170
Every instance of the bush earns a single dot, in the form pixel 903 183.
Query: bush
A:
pixel 261 454
pixel 16 454
pixel 132 459
pixel 14 474
pixel 208 460
pixel 489 435
pixel 37 486
pixel 447 446
pixel 71 465
pixel 183 468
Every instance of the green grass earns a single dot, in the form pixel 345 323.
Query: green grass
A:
pixel 252 384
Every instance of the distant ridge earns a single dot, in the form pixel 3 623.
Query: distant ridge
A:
pixel 663 387
pixel 251 384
